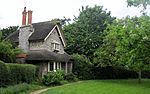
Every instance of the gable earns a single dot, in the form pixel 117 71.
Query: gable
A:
pixel 60 35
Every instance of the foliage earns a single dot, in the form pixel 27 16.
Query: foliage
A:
pixel 138 3
pixel 20 89
pixel 8 52
pixel 103 87
pixel 53 78
pixel 3 74
pixel 126 43
pixel 16 89
pixel 7 31
pixel 111 72
pixel 84 35
pixel 70 77
pixel 82 66
pixel 20 73
pixel 11 74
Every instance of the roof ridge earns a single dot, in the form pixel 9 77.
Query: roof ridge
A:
pixel 44 22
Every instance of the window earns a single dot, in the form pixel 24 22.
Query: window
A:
pixel 55 46
pixel 51 66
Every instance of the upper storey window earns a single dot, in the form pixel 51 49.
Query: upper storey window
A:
pixel 55 46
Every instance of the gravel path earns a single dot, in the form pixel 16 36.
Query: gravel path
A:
pixel 43 90
pixel 39 91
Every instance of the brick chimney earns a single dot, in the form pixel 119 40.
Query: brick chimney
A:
pixel 24 14
pixel 29 17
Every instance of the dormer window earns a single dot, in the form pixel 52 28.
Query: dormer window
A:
pixel 55 46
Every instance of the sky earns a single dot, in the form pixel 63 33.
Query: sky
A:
pixel 45 10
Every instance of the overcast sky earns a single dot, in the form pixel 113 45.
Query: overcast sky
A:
pixel 44 10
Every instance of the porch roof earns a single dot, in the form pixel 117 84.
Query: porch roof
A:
pixel 47 55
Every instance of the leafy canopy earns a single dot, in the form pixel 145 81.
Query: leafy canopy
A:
pixel 84 35
pixel 127 43
pixel 138 3
pixel 8 52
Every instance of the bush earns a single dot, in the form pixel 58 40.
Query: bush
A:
pixel 82 67
pixel 20 73
pixel 23 88
pixel 15 89
pixel 3 74
pixel 53 78
pixel 70 77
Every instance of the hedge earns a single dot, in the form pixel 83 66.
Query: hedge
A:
pixel 3 74
pixel 110 72
pixel 11 73
pixel 85 70
pixel 20 73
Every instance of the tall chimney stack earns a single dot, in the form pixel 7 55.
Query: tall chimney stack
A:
pixel 29 17
pixel 24 14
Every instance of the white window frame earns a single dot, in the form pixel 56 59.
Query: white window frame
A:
pixel 54 47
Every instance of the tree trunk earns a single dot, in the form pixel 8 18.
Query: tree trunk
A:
pixel 139 80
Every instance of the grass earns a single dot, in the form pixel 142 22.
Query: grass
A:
pixel 103 87
pixel 20 89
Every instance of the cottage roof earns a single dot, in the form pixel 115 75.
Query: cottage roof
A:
pixel 41 31
pixel 13 36
pixel 47 55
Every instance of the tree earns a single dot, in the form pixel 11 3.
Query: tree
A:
pixel 7 31
pixel 84 35
pixel 8 52
pixel 138 3
pixel 130 48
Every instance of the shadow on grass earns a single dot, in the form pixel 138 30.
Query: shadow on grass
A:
pixel 129 82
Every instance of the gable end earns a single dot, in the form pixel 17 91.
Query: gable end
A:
pixel 59 33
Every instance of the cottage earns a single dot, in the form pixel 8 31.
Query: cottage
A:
pixel 43 43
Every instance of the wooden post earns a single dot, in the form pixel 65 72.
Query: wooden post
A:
pixel 60 65
pixel 66 67
pixel 48 67
pixel 54 66
pixel 57 65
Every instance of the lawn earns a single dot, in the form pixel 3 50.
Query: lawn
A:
pixel 103 87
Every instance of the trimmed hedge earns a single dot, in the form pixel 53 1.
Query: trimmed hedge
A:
pixel 20 73
pixel 85 70
pixel 3 74
pixel 11 74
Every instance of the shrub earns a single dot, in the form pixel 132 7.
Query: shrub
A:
pixel 20 73
pixel 16 89
pixel 70 77
pixel 3 74
pixel 53 78
pixel 82 67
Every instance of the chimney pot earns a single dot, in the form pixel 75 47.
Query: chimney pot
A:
pixel 24 14
pixel 30 17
